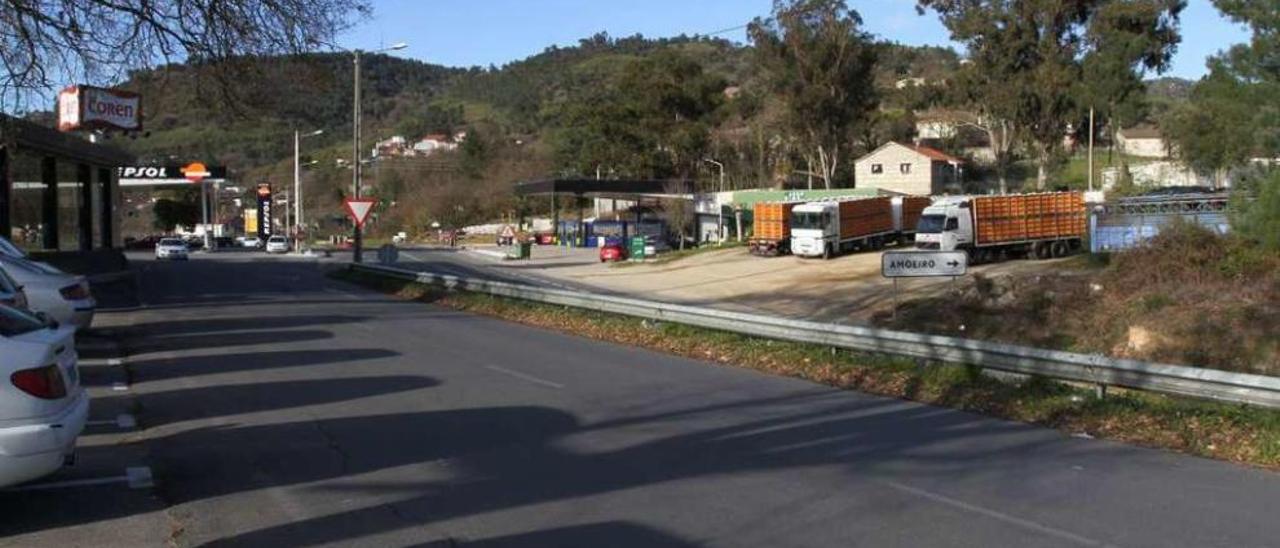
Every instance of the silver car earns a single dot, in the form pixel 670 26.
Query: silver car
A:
pixel 63 297
pixel 172 249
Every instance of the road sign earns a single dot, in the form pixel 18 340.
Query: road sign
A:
pixel 920 264
pixel 508 232
pixel 358 209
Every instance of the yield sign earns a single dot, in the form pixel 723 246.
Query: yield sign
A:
pixel 358 209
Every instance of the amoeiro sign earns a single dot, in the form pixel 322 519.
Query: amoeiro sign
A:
pixel 89 108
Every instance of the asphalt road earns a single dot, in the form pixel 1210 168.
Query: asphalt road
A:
pixel 280 408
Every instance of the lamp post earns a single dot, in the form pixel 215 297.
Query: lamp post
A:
pixel 297 186
pixel 719 212
pixel 355 144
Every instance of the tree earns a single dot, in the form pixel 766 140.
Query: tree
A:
pixel 1124 40
pixel 1026 56
pixel 49 42
pixel 651 120
pixel 1213 133
pixel 170 213
pixel 820 62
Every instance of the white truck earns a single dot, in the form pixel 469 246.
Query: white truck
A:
pixel 828 228
pixel 990 228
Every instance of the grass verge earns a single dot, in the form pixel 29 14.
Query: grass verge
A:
pixel 1229 432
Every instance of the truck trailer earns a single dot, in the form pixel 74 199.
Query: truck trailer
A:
pixel 992 228
pixel 828 228
pixel 771 234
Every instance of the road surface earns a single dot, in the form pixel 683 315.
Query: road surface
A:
pixel 281 408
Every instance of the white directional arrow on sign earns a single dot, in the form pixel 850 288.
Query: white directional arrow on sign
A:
pixel 358 209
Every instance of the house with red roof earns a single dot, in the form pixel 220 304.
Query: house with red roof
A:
pixel 909 169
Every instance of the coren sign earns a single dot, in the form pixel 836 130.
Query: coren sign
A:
pixel 919 264
pixel 89 108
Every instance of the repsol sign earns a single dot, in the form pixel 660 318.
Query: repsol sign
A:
pixel 169 174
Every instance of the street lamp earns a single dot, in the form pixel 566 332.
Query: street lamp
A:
pixel 297 184
pixel 355 144
pixel 719 212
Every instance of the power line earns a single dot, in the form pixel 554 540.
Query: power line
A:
pixel 728 30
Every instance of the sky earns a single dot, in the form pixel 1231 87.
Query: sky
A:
pixel 483 32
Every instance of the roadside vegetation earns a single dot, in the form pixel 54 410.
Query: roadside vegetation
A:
pixel 1223 431
pixel 1189 296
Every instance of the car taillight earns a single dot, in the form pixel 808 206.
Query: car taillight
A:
pixel 75 292
pixel 41 382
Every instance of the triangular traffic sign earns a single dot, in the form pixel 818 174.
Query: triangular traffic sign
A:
pixel 358 209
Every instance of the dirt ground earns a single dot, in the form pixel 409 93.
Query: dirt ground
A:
pixel 848 289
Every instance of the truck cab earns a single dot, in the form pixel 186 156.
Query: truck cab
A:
pixel 814 229
pixel 946 225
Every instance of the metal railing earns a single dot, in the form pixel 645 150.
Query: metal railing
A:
pixel 1097 370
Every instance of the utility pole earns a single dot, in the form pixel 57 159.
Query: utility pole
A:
pixel 719 211
pixel 355 157
pixel 1091 149
pixel 355 146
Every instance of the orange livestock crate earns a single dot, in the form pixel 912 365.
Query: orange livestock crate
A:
pixel 865 217
pixel 912 208
pixel 773 220
pixel 1028 217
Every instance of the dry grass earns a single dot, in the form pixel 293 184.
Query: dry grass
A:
pixel 1229 432
pixel 1190 297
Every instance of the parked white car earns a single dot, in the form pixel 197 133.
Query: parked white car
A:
pixel 251 241
pixel 43 408
pixel 277 244
pixel 172 249
pixel 11 292
pixel 63 297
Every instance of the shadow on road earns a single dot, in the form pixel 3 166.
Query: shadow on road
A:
pixel 512 457
pixel 236 399
pixel 192 366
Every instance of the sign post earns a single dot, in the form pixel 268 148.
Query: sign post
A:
pixel 921 264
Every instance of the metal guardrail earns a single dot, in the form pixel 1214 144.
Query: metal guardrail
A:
pixel 1093 369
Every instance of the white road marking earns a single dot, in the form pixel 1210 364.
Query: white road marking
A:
pixel 119 386
pixel 135 477
pixel 124 421
pixel 115 361
pixel 999 516
pixel 524 376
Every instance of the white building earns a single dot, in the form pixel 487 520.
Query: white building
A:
pixel 908 169
pixel 1142 141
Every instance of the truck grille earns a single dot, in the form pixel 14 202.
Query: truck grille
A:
pixel 927 245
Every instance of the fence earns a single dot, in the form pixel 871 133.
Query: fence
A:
pixel 1093 369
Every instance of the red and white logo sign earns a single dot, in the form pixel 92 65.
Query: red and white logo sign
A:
pixel 195 172
pixel 358 209
pixel 86 108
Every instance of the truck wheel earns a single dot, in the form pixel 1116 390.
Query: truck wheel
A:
pixel 826 252
pixel 1041 250
pixel 1060 249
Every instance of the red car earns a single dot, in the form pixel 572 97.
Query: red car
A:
pixel 613 252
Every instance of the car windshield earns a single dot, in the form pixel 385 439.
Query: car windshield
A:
pixel 21 266
pixel 808 220
pixel 14 322
pixel 7 248
pixel 171 241
pixel 276 239
pixel 931 224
